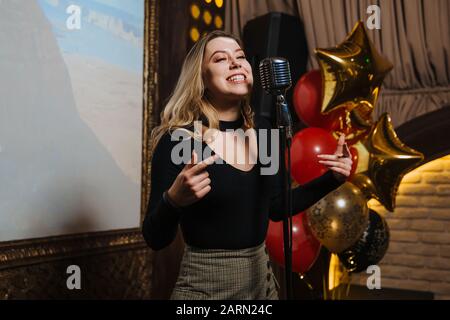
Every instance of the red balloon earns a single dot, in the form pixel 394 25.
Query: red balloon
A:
pixel 307 99
pixel 306 145
pixel 305 247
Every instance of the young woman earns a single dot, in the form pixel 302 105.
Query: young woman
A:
pixel 222 205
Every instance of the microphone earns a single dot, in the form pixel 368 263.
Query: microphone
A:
pixel 275 76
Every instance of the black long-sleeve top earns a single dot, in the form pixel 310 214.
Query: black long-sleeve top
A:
pixel 235 213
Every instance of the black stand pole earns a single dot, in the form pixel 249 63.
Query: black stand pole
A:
pixel 284 126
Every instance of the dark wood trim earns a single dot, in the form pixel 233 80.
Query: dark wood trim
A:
pixel 429 133
pixel 173 17
pixel 32 251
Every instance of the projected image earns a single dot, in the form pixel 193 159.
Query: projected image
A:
pixel 71 116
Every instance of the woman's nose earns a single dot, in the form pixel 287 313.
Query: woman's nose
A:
pixel 234 64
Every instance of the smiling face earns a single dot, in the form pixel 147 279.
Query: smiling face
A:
pixel 226 72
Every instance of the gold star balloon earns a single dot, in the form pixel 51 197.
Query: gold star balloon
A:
pixel 383 161
pixel 352 72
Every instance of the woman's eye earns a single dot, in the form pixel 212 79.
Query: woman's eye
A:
pixel 241 57
pixel 220 59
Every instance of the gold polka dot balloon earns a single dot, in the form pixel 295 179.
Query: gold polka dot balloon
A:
pixel 340 218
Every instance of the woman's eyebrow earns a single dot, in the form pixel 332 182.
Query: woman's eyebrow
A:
pixel 223 51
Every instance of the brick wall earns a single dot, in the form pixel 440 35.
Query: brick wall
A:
pixel 418 257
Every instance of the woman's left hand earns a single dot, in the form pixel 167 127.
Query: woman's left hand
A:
pixel 340 162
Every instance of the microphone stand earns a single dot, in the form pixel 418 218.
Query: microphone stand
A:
pixel 284 124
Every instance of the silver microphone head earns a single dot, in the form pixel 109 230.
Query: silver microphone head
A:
pixel 275 75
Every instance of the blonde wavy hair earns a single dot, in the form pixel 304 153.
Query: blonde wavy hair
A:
pixel 188 102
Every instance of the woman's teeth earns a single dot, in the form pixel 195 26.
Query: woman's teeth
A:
pixel 236 78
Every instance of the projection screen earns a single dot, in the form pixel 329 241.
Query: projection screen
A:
pixel 70 116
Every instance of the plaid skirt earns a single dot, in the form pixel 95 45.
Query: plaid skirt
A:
pixel 224 274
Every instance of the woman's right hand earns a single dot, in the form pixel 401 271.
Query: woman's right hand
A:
pixel 192 183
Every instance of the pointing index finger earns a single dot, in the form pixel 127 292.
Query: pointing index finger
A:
pixel 203 164
pixel 193 160
pixel 340 146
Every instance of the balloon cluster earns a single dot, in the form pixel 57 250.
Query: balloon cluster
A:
pixel 340 99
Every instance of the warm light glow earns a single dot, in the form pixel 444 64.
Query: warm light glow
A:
pixel 334 225
pixel 195 34
pixel 341 203
pixel 334 274
pixel 219 3
pixel 437 165
pixel 218 22
pixel 372 203
pixel 207 17
pixel 208 1
pixel 195 11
